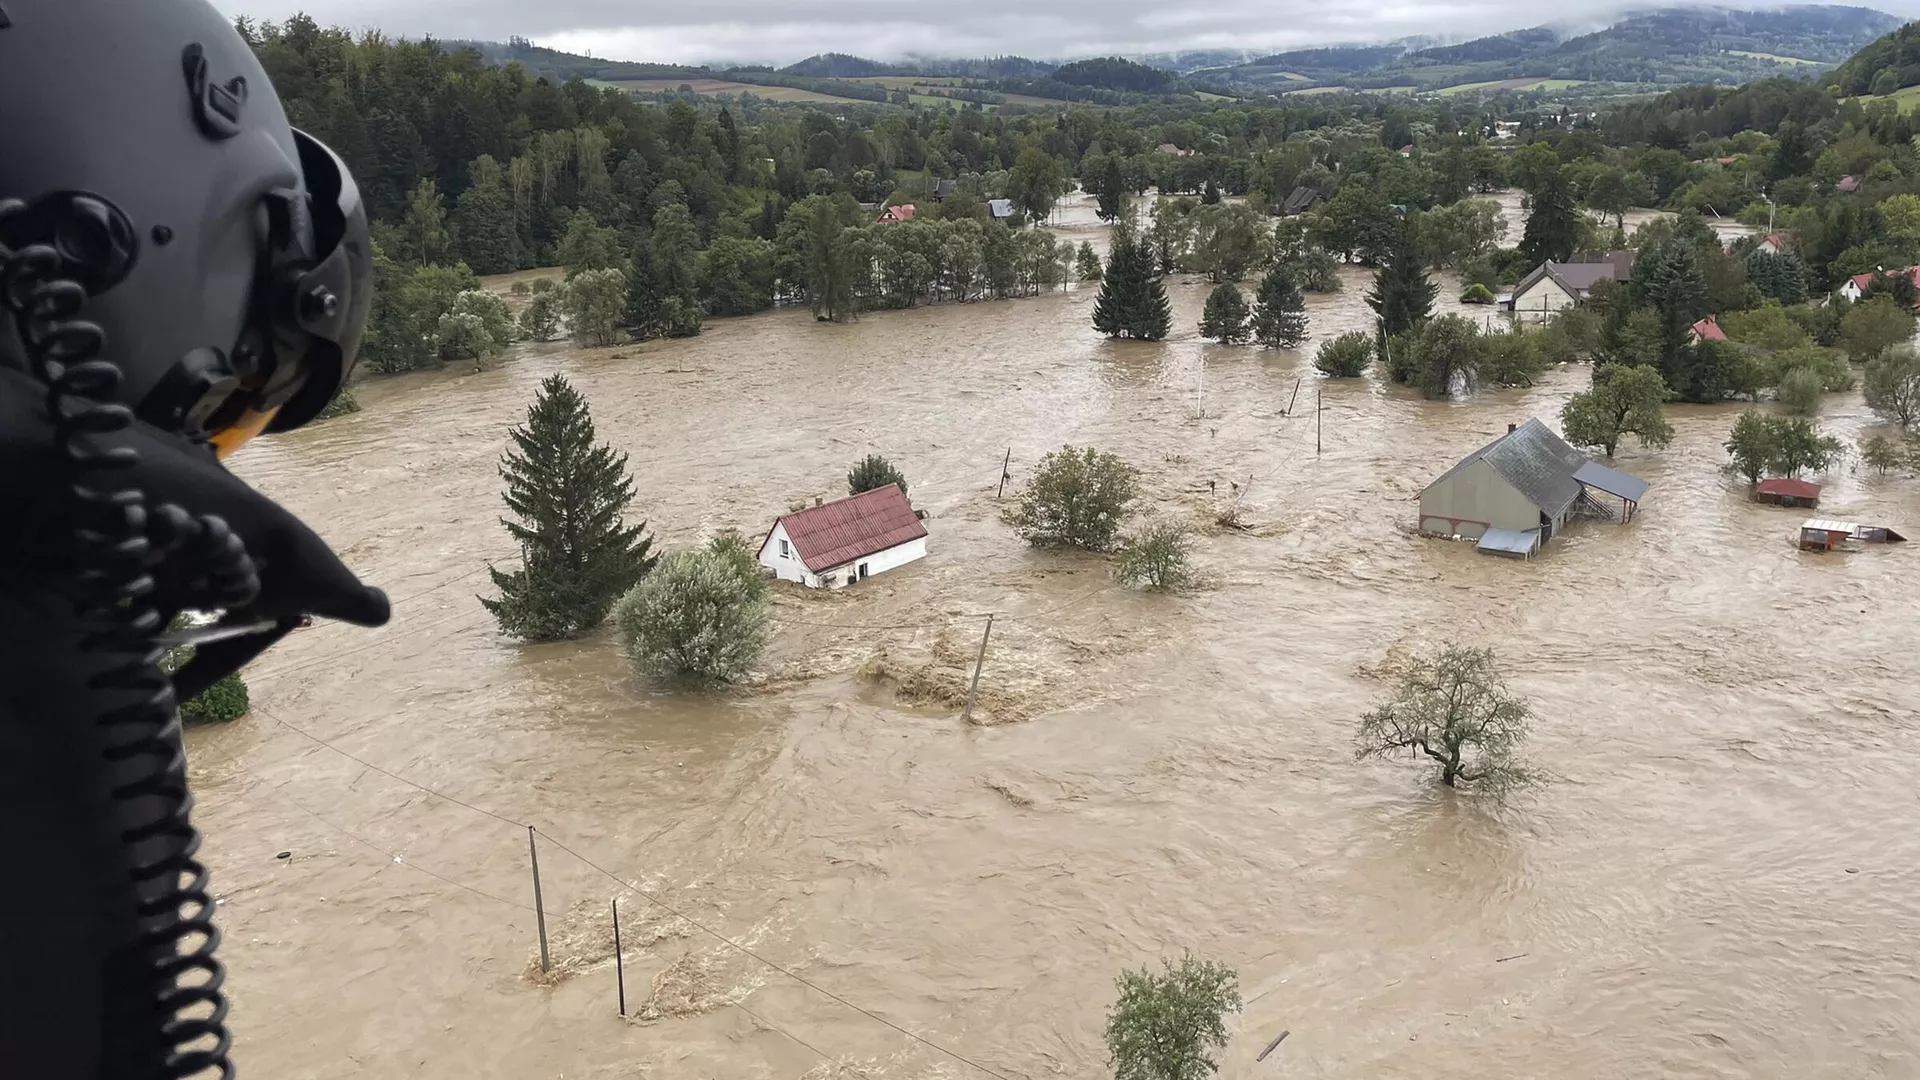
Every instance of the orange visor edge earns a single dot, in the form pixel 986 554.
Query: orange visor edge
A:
pixel 238 433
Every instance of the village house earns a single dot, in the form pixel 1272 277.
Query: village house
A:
pixel 1172 150
pixel 942 189
pixel 1000 209
pixel 903 212
pixel 1856 286
pixel 1555 285
pixel 1707 329
pixel 1515 493
pixel 1785 491
pixel 1847 184
pixel 830 545
pixel 1773 243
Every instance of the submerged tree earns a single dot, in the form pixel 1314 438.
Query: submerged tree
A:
pixel 568 495
pixel 1166 1024
pixel 1113 192
pixel 1279 310
pixel 1086 264
pixel 1132 301
pixel 1155 556
pixel 1075 498
pixel 1625 399
pixel 1402 294
pixel 1344 357
pixel 1892 386
pixel 701 615
pixel 874 471
pixel 1455 708
pixel 1224 319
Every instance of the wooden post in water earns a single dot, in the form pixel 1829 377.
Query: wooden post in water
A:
pixel 1004 474
pixel 1316 422
pixel 619 964
pixel 967 713
pixel 539 909
pixel 1294 398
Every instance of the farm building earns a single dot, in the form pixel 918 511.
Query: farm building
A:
pixel 903 212
pixel 942 189
pixel 832 544
pixel 1301 200
pixel 1825 534
pixel 1000 209
pixel 1554 285
pixel 1782 491
pixel 1516 492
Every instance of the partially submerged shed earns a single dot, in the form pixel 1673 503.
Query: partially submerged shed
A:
pixel 1783 491
pixel 1826 534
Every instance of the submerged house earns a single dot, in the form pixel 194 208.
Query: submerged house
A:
pixel 1515 493
pixel 829 545
pixel 1554 285
pixel 1785 491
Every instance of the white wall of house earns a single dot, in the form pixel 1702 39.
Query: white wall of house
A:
pixel 779 555
pixel 1541 300
pixel 1850 290
pixel 1473 500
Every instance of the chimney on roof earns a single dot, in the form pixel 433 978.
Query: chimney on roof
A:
pixel 817 500
pixel 1511 428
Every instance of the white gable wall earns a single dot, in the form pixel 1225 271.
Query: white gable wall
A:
pixel 1541 300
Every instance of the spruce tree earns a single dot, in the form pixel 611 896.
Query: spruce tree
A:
pixel 483 221
pixel 1279 310
pixel 1225 317
pixel 1086 263
pixel 1210 194
pixel 1132 302
pixel 1402 295
pixel 577 556
pixel 1113 194
pixel 1553 224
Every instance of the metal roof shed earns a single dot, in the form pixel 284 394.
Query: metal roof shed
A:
pixel 1513 542
pixel 1628 489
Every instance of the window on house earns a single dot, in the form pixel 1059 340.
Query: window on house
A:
pixel 785 551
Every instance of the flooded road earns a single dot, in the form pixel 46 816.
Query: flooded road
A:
pixel 1723 882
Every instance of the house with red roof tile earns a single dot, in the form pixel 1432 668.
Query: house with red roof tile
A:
pixel 834 544
pixel 1856 286
pixel 1706 329
pixel 902 212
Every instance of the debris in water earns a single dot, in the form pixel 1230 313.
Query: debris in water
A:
pixel 284 855
pixel 1277 1040
pixel 1022 801
pixel 1515 956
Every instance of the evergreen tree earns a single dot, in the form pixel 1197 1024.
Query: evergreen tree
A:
pixel 1211 193
pixel 1279 310
pixel 1553 225
pixel 568 494
pixel 1113 191
pixel 1225 317
pixel 1668 279
pixel 729 145
pixel 644 295
pixel 424 237
pixel 1402 295
pixel 675 247
pixel 1086 264
pixel 1132 302
pixel 483 221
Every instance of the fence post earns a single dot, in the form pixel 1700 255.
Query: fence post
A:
pixel 1004 474
pixel 619 962
pixel 967 713
pixel 1294 398
pixel 539 908
pixel 1316 423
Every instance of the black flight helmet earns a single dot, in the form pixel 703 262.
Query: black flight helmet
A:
pixel 226 254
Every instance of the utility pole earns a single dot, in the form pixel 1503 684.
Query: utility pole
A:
pixel 1316 422
pixel 619 962
pixel 539 908
pixel 978 661
pixel 1004 474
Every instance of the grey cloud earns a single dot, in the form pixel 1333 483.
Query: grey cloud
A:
pixel 781 31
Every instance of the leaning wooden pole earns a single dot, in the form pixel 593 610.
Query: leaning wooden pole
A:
pixel 539 908
pixel 978 661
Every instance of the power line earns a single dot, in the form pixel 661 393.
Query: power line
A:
pixel 781 968
pixel 387 772
pixel 398 858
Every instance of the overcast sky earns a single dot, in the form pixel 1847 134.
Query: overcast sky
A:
pixel 782 31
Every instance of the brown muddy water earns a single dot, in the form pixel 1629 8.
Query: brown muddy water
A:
pixel 1723 882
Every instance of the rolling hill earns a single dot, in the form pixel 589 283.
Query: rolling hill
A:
pixel 1672 46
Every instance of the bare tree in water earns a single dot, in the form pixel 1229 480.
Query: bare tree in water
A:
pixel 1456 709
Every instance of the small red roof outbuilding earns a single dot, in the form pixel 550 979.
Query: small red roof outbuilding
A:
pixel 1787 491
pixel 1709 330
pixel 836 533
pixel 903 212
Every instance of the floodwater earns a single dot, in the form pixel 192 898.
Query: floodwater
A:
pixel 1724 881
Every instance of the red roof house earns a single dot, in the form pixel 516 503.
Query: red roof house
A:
pixel 844 541
pixel 1708 330
pixel 903 212
pixel 1856 285
pixel 1847 183
pixel 1786 492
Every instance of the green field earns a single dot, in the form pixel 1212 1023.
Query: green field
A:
pixel 1907 98
pixel 1509 84
pixel 1317 90
pixel 1204 96
pixel 718 87
pixel 1390 89
pixel 1773 57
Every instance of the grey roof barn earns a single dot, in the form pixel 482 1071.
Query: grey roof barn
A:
pixel 1523 482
